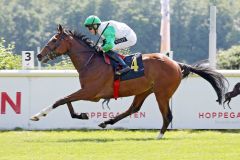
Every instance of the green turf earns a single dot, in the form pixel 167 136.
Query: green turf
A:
pixel 119 145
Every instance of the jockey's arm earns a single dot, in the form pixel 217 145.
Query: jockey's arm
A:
pixel 109 35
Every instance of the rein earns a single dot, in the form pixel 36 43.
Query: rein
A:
pixel 90 58
pixel 88 61
pixel 51 55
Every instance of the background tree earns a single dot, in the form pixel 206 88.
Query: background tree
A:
pixel 7 59
pixel 229 59
pixel 31 23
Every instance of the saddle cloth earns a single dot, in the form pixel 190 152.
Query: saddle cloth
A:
pixel 134 61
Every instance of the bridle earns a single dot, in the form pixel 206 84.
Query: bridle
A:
pixel 52 54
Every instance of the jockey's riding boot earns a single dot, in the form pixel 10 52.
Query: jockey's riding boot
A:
pixel 125 67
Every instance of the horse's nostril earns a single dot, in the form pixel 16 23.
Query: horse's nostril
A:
pixel 39 56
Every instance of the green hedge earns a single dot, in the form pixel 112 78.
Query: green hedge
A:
pixel 7 59
pixel 229 59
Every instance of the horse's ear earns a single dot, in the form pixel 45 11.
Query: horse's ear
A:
pixel 60 28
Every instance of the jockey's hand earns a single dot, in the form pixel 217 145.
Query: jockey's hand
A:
pixel 98 49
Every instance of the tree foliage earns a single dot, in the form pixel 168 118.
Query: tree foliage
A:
pixel 31 23
pixel 229 59
pixel 7 59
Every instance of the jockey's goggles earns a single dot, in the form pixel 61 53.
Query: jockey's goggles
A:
pixel 89 27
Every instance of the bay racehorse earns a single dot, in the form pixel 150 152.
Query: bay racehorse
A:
pixel 162 77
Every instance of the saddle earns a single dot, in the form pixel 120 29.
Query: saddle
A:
pixel 134 61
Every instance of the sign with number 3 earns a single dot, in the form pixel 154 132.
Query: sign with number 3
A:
pixel 27 59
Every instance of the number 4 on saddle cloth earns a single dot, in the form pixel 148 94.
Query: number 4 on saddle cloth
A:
pixel 134 61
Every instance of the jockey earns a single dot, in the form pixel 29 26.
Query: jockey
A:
pixel 115 35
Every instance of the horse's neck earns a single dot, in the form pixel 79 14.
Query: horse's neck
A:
pixel 79 59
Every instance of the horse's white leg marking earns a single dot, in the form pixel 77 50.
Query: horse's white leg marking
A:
pixel 160 136
pixel 42 113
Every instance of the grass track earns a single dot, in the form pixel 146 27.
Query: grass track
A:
pixel 119 145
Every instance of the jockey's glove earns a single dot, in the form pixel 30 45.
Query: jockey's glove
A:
pixel 98 49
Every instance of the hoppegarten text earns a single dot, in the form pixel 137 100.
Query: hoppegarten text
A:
pixel 219 115
pixel 114 114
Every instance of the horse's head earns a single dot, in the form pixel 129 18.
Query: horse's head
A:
pixel 56 46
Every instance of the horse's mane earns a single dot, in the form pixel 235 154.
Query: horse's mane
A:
pixel 82 38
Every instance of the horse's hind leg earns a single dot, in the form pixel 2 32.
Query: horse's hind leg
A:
pixel 228 103
pixel 163 103
pixel 135 107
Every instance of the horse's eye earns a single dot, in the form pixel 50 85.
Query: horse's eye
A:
pixel 54 40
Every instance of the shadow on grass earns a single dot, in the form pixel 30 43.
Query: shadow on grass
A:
pixel 126 130
pixel 103 140
pixel 215 130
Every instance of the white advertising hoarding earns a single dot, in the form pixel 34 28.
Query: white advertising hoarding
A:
pixel 14 102
pixel 24 93
pixel 195 106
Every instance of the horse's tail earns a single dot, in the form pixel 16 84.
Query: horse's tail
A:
pixel 217 80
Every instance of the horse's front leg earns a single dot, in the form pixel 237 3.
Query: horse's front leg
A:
pixel 82 94
pixel 74 114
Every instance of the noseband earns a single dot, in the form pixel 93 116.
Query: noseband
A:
pixel 52 54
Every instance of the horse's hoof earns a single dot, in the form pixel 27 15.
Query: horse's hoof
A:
pixel 84 116
pixel 160 136
pixel 102 125
pixel 34 118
